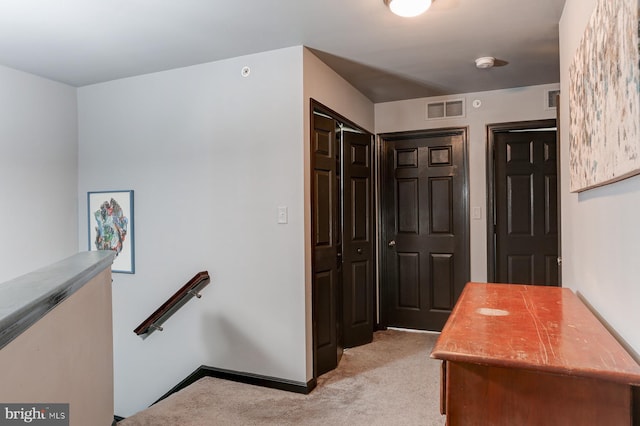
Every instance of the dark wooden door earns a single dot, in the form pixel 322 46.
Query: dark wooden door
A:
pixel 326 244
pixel 526 231
pixel 357 236
pixel 426 228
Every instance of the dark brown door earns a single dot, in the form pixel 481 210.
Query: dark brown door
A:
pixel 426 247
pixel 326 243
pixel 526 232
pixel 357 235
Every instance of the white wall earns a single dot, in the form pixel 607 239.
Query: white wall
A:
pixel 38 175
pixel 210 155
pixel 600 232
pixel 322 84
pixel 498 106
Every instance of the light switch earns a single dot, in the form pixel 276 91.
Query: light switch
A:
pixel 477 213
pixel 283 214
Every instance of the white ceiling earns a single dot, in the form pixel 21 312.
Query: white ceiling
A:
pixel 82 42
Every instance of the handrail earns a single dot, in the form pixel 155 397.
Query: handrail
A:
pixel 175 302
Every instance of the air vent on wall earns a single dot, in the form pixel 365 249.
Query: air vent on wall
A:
pixel 445 109
pixel 551 99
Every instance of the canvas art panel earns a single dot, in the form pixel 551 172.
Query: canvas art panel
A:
pixel 110 215
pixel 604 98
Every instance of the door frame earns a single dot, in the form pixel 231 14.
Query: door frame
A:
pixel 314 106
pixel 382 216
pixel 492 129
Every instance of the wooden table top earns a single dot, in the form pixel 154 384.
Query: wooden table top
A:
pixel 532 327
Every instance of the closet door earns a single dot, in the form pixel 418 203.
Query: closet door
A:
pixel 343 239
pixel 326 245
pixel 358 238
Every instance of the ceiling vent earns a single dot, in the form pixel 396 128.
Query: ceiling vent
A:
pixel 445 109
pixel 551 99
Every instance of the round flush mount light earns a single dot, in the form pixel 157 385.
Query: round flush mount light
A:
pixel 485 62
pixel 408 8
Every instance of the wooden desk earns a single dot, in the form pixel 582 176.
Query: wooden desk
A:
pixel 528 355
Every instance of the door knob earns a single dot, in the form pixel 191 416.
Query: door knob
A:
pixel 392 243
pixel 359 251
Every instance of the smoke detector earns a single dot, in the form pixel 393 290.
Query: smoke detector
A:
pixel 485 62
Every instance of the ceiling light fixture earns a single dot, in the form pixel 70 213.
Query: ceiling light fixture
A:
pixel 485 62
pixel 408 8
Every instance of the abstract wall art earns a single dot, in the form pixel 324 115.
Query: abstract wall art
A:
pixel 604 98
pixel 110 216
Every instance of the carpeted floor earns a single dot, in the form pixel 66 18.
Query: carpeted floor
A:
pixel 390 381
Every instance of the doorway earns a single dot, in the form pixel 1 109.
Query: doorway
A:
pixel 425 227
pixel 523 203
pixel 343 237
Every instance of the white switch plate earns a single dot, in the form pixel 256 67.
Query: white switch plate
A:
pixel 477 213
pixel 283 214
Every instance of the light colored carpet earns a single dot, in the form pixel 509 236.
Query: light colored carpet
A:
pixel 390 381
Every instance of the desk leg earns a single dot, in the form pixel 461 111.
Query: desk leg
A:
pixel 443 388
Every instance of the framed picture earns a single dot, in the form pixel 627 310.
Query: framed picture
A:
pixel 110 215
pixel 604 100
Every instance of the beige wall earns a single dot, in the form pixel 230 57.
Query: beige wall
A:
pixel 66 357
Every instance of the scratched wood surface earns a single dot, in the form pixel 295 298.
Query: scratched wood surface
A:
pixel 532 327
